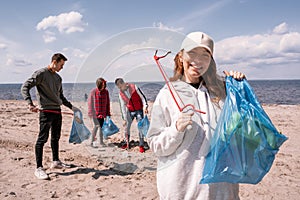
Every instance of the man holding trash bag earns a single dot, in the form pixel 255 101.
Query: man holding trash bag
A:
pixel 50 97
pixel 132 102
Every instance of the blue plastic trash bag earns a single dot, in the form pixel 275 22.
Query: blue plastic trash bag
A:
pixel 79 131
pixel 109 128
pixel 245 141
pixel 143 125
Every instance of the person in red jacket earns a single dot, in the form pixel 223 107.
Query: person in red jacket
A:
pixel 98 108
pixel 133 105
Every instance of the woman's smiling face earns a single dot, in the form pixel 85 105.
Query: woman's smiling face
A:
pixel 195 63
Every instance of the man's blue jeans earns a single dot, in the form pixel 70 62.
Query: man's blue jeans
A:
pixel 139 115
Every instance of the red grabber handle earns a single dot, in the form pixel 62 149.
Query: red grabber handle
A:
pixel 159 57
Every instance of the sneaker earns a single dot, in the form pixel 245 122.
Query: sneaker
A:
pixel 41 174
pixel 59 165
pixel 124 146
pixel 93 144
pixel 142 150
pixel 102 144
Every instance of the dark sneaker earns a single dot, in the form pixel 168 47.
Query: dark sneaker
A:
pixel 102 144
pixel 59 165
pixel 124 146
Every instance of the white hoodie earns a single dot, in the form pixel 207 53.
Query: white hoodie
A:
pixel 181 155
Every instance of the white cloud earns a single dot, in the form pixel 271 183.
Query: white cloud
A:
pixel 148 38
pixel 49 37
pixel 3 46
pixel 281 28
pixel 78 53
pixel 161 26
pixel 17 62
pixel 135 46
pixel 290 43
pixel 260 50
pixel 65 23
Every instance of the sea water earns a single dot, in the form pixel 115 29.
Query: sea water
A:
pixel 267 91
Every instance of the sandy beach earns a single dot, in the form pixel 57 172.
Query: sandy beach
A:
pixel 113 173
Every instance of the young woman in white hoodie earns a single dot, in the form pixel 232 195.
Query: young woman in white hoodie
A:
pixel 181 139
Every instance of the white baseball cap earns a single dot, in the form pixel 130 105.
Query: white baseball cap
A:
pixel 198 39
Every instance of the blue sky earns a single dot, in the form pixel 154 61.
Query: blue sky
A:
pixel 118 38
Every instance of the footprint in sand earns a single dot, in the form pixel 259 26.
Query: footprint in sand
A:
pixel 28 185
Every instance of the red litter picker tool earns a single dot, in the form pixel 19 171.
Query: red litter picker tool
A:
pixel 170 85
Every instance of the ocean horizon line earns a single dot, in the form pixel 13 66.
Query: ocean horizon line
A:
pixel 157 81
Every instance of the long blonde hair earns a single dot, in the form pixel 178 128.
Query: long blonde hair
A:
pixel 214 83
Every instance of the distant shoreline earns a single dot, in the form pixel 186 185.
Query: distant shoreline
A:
pixel 281 92
pixel 112 82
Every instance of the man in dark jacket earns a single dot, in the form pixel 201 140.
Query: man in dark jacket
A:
pixel 50 97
